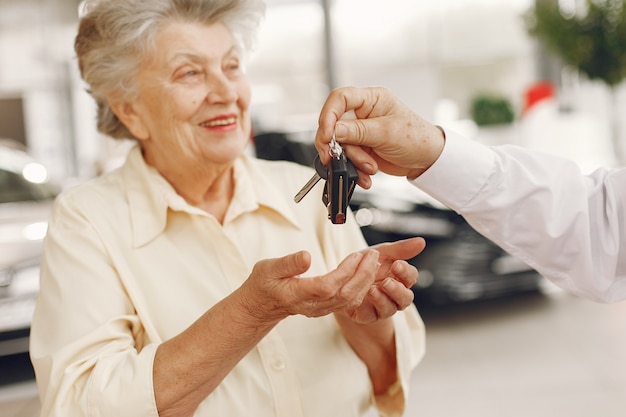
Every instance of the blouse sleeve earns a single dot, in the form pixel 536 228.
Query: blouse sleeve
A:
pixel 89 359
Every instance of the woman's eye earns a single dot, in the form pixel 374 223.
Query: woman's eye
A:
pixel 187 73
pixel 232 66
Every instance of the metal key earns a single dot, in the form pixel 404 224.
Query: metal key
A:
pixel 321 172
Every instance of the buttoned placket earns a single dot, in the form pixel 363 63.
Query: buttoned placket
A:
pixel 277 366
pixel 281 376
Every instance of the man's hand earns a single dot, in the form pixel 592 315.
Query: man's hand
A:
pixel 386 135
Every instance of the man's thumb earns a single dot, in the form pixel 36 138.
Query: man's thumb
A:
pixel 348 132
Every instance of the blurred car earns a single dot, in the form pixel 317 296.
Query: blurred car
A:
pixel 458 264
pixel 25 201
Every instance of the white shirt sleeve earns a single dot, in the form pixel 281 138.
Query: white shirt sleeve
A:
pixel 540 208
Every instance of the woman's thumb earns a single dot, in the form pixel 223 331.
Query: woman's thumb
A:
pixel 290 265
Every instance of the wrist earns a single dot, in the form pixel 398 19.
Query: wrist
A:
pixel 437 140
pixel 255 311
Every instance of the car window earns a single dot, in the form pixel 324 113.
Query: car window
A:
pixel 15 188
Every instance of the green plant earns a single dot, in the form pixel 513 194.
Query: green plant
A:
pixel 594 42
pixel 491 110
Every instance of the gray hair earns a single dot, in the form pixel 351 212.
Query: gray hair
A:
pixel 115 35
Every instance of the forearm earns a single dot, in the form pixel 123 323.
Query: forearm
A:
pixel 375 344
pixel 191 365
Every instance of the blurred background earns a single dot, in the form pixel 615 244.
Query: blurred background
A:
pixel 544 74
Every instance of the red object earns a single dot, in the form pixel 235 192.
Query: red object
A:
pixel 536 93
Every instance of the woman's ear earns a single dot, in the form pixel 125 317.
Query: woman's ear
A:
pixel 129 116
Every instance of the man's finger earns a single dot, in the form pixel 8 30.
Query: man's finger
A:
pixel 339 102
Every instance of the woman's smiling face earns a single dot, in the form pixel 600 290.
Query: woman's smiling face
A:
pixel 193 101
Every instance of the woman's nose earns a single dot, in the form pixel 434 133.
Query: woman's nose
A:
pixel 221 89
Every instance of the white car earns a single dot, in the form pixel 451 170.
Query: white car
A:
pixel 26 197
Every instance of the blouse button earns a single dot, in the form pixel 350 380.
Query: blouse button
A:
pixel 278 364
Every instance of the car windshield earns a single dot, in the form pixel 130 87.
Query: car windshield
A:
pixel 15 187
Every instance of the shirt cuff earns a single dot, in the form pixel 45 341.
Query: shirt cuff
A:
pixel 392 403
pixel 459 173
pixel 410 347
pixel 124 382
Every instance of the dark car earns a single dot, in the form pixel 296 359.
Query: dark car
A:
pixel 458 264
pixel 25 201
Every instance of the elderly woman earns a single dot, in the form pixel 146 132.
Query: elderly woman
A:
pixel 188 282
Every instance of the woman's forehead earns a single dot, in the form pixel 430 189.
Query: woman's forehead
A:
pixel 191 32
pixel 193 42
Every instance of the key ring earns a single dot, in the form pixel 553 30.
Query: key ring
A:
pixel 335 149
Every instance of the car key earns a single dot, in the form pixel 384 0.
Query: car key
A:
pixel 321 172
pixel 342 178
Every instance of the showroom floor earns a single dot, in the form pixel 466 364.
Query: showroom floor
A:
pixel 534 356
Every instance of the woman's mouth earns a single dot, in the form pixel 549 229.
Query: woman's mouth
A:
pixel 219 122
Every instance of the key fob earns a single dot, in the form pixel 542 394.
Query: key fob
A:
pixel 341 180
